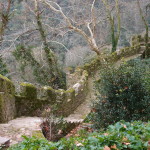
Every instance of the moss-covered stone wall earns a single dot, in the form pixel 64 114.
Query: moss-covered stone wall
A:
pixel 7 100
pixel 32 101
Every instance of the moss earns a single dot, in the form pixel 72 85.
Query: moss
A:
pixel 51 94
pixel 85 73
pixel 1 108
pixel 5 78
pixel 127 49
pixel 71 90
pixel 70 93
pixel 28 90
pixel 114 57
pixel 3 67
pixel 38 134
pixel 139 37
pixel 6 85
pixel 90 67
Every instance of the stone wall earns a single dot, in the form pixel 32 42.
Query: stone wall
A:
pixel 7 100
pixel 137 47
pixel 32 101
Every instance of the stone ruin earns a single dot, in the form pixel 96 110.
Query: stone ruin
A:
pixel 32 101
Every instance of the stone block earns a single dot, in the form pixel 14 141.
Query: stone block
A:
pixel 4 143
pixel 28 90
pixel 7 107
pixel 6 85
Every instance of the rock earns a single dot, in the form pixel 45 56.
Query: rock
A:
pixel 4 142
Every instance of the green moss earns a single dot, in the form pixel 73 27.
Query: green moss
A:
pixel 85 73
pixel 139 37
pixel 51 94
pixel 1 108
pixel 92 65
pixel 3 67
pixel 127 49
pixel 71 90
pixel 5 78
pixel 38 134
pixel 28 90
pixel 70 94
pixel 6 85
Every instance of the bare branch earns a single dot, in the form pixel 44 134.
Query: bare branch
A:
pixel 93 19
pixel 91 41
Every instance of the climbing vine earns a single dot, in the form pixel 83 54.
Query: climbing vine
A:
pixel 3 68
pixel 43 75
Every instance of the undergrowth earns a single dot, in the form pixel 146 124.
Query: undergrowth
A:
pixel 120 136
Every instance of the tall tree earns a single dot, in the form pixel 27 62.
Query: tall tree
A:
pixel 114 34
pixel 89 37
pixel 4 17
pixel 90 24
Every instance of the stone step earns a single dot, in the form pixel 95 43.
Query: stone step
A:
pixel 4 142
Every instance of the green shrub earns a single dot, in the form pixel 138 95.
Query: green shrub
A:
pixel 121 136
pixel 3 67
pixel 124 94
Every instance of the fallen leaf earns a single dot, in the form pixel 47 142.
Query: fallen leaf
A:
pixel 106 148
pixel 126 143
pixel 60 132
pixel 78 144
pixel 106 134
pixel 114 146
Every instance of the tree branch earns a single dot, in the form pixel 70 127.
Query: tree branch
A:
pixel 91 41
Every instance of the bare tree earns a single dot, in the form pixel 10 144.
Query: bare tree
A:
pixel 4 17
pixel 90 24
pixel 70 25
pixel 50 56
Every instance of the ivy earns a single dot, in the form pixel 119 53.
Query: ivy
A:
pixel 120 136
pixel 3 68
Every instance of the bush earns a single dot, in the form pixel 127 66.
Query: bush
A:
pixel 121 136
pixel 124 94
pixel 3 67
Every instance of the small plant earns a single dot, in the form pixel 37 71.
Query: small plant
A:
pixel 52 126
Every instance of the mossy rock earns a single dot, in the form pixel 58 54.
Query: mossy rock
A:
pixel 28 90
pixel 51 95
pixel 70 94
pixel 1 108
pixel 7 107
pixel 6 85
